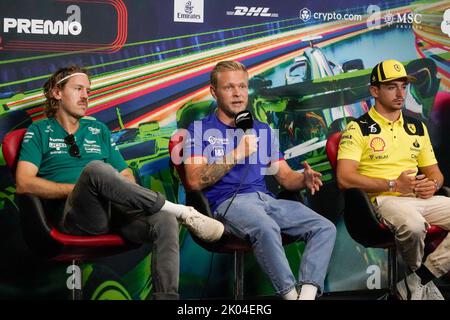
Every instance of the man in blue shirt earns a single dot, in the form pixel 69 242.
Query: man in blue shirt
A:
pixel 68 157
pixel 223 163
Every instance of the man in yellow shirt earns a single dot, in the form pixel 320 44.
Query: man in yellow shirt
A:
pixel 380 153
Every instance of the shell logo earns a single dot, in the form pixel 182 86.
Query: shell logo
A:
pixel 377 144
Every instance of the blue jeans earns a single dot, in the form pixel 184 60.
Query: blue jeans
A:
pixel 262 219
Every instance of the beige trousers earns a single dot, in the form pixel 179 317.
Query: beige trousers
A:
pixel 409 219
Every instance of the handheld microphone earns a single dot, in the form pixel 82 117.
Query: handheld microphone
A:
pixel 244 120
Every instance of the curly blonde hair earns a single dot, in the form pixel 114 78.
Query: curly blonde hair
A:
pixel 51 104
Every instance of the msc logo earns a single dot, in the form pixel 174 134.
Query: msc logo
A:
pixel 375 18
pixel 188 11
pixel 305 14
pixel 252 11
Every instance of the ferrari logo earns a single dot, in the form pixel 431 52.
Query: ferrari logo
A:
pixel 412 128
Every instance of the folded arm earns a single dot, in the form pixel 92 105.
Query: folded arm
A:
pixel 431 183
pixel 349 177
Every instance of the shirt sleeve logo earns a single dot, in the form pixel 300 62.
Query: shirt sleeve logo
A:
pixel 219 152
pixel 412 127
pixel 94 130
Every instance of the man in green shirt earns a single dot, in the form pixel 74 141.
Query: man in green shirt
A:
pixel 68 157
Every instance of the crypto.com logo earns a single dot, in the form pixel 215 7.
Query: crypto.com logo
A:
pixel 252 11
pixel 376 19
pixel 304 14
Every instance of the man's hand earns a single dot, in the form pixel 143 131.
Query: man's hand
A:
pixel 312 178
pixel 406 183
pixel 425 188
pixel 247 146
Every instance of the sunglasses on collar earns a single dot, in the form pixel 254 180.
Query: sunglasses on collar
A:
pixel 74 150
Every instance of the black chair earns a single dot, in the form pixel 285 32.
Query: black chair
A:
pixel 364 227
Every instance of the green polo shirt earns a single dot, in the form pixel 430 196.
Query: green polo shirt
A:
pixel 385 148
pixel 44 146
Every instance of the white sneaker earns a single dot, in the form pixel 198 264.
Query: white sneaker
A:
pixel 432 292
pixel 202 226
pixel 410 288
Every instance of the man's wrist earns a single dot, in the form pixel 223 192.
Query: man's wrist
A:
pixel 391 185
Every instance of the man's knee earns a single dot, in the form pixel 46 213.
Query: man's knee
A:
pixel 328 228
pixel 97 167
pixel 96 171
pixel 412 228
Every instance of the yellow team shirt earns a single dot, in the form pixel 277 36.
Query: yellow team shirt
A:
pixel 384 148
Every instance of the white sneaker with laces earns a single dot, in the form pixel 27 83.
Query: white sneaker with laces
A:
pixel 202 226
pixel 410 288
pixel 432 292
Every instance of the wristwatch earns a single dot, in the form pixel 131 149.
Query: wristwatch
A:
pixel 436 184
pixel 391 185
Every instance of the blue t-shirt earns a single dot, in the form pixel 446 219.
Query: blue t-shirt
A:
pixel 213 139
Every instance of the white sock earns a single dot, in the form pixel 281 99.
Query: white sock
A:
pixel 291 295
pixel 308 292
pixel 173 208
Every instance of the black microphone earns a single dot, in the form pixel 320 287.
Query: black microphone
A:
pixel 244 120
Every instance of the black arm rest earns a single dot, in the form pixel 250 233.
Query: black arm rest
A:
pixel 291 195
pixel 198 200
pixel 35 227
pixel 273 186
pixel 444 191
pixel 361 220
